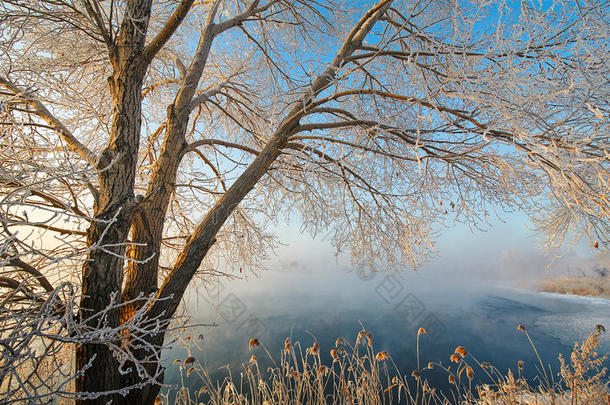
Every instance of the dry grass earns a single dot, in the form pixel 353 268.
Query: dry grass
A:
pixel 598 286
pixel 359 375
pixel 581 381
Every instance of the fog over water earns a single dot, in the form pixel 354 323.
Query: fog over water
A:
pixel 475 293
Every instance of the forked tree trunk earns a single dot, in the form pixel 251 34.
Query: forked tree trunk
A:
pixel 102 274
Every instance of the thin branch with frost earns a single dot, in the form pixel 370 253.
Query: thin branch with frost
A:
pixel 23 96
pixel 38 331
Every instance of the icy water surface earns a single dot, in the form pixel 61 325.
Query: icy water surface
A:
pixel 314 305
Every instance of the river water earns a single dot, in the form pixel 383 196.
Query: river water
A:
pixel 323 300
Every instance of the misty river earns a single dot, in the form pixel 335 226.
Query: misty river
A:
pixel 323 300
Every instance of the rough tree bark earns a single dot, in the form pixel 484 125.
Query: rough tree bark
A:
pixel 102 275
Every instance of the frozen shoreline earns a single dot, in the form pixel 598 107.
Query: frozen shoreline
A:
pixel 582 298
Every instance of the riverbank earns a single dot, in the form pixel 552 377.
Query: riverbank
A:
pixel 590 286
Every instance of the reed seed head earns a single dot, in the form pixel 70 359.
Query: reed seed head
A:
pixel 415 374
pixel 520 364
pixel 361 334
pixel 469 373
pixel 253 343
pixel 521 328
pixel 422 331
pixel 314 349
pixel 322 371
pixel 189 360
pixel 461 351
pixel 451 379
pixel 430 365
pixel 287 345
pixel 455 358
pixel 253 359
pixel 382 356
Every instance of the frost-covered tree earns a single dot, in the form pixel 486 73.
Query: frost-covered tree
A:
pixel 163 136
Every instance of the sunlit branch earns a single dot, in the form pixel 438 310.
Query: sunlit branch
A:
pixel 167 31
pixel 17 262
pixel 46 197
pixel 95 14
pixel 40 110
pixel 212 142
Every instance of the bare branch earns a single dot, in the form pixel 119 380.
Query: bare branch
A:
pixel 40 110
pixel 167 31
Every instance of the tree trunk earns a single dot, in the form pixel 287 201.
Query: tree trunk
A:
pixel 102 274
